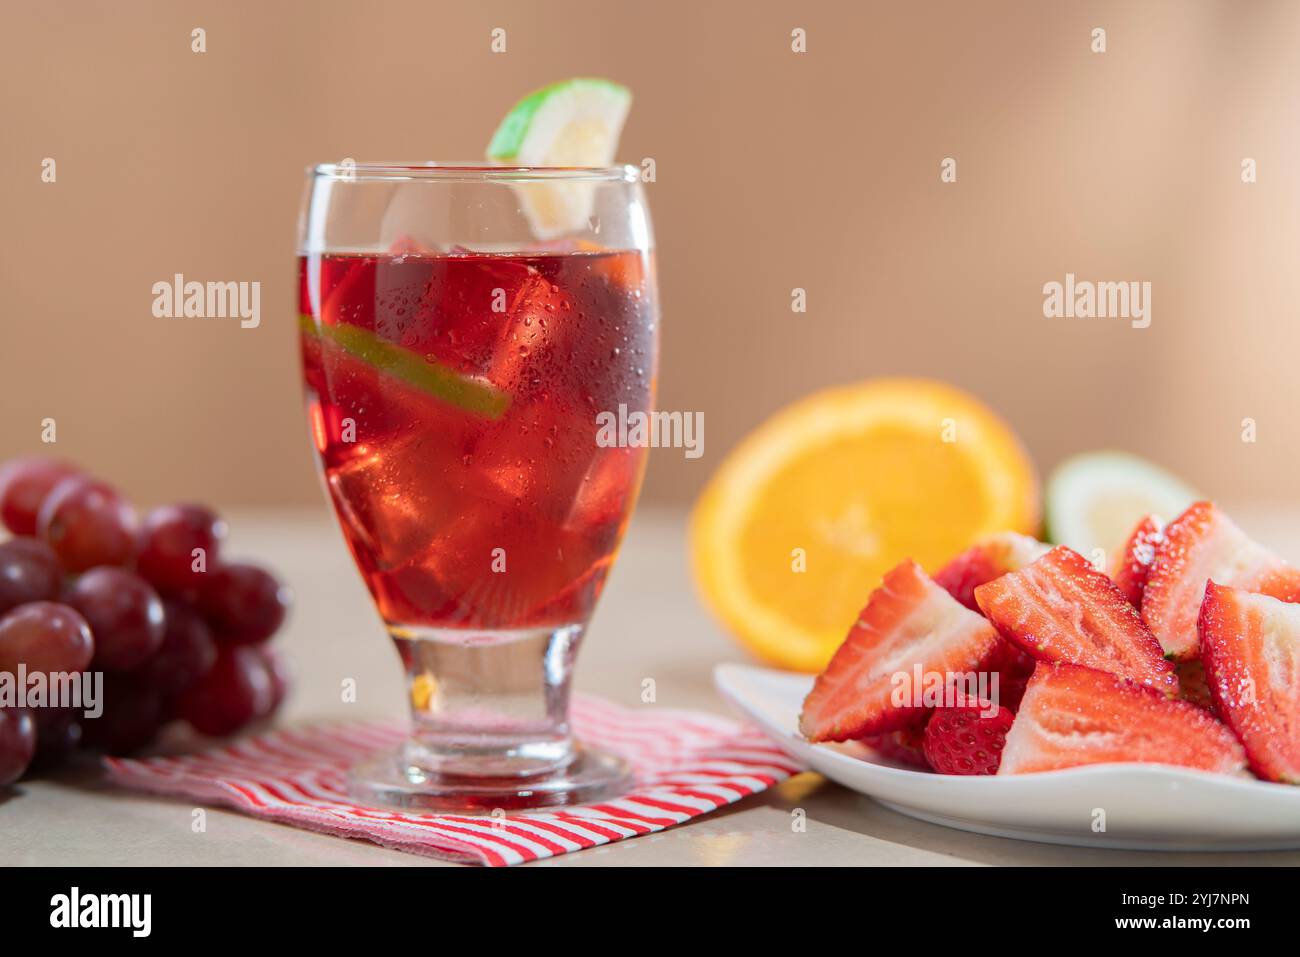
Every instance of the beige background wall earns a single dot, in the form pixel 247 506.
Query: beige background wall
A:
pixel 775 170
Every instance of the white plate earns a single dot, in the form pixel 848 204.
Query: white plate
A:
pixel 1145 806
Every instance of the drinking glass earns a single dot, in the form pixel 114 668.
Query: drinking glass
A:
pixel 461 375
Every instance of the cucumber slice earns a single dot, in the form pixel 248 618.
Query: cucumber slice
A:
pixel 1095 500
pixel 571 123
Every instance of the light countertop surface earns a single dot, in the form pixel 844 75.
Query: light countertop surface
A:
pixel 649 625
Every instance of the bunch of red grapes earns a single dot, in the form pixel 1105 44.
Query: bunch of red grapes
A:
pixel 86 586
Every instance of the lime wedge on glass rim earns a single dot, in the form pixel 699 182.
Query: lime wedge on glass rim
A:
pixel 1096 499
pixel 571 123
pixel 472 394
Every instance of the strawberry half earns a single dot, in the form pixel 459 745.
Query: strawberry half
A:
pixel 987 559
pixel 1134 565
pixel 1250 646
pixel 1203 544
pixel 1014 669
pixel 1060 608
pixel 967 739
pixel 902 746
pixel 1192 685
pixel 909 623
pixel 1073 716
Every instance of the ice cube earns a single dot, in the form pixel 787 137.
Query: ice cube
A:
pixel 488 567
pixel 393 496
pixel 537 455
pixel 604 495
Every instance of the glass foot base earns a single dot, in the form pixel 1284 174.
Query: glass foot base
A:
pixel 390 781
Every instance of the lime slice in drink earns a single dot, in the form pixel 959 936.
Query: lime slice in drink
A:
pixel 470 393
pixel 1095 500
pixel 571 123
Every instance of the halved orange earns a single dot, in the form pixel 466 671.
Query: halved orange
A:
pixel 805 516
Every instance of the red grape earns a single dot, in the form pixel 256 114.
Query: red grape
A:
pixel 125 616
pixel 58 732
pixel 244 604
pixel 236 691
pixel 17 743
pixel 281 678
pixel 169 536
pixel 24 483
pixel 88 523
pixel 133 715
pixel 29 571
pixel 45 636
pixel 186 655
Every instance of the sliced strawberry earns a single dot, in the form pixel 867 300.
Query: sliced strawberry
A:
pixel 910 624
pixel 1193 686
pixel 967 739
pixel 1060 608
pixel 987 559
pixel 902 746
pixel 1073 716
pixel 1134 564
pixel 1203 544
pixel 1250 645
pixel 1014 668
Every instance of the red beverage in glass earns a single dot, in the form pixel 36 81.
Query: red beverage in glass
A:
pixel 460 402
pixel 453 400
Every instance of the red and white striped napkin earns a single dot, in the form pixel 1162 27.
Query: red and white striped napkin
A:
pixel 686 763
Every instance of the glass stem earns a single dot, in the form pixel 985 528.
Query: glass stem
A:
pixel 492 703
